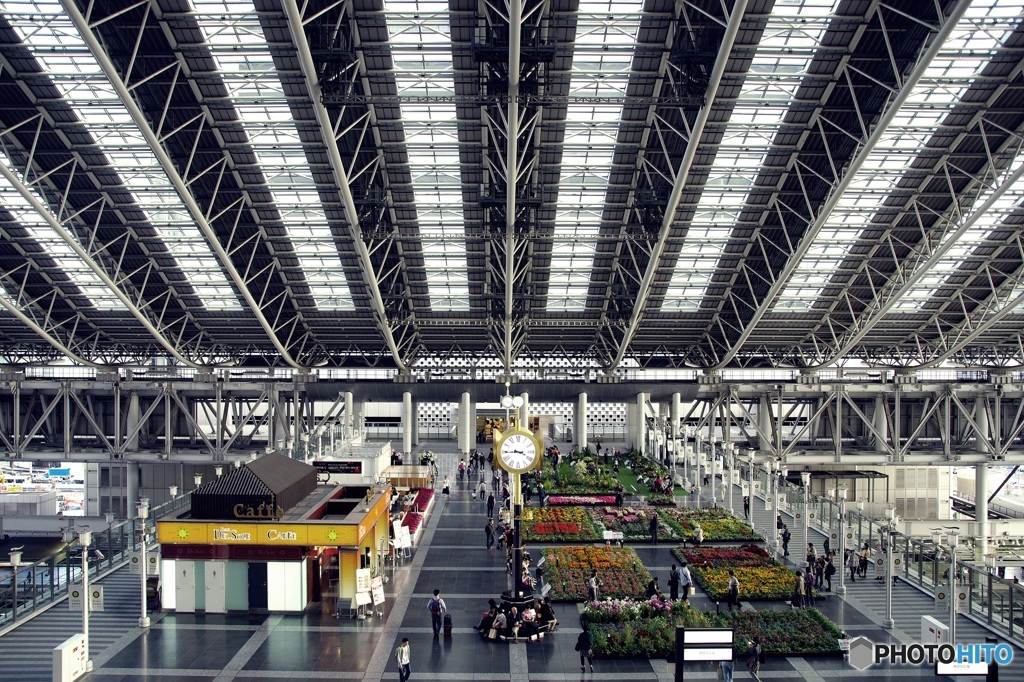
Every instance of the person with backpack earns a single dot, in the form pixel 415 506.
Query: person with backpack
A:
pixel 402 655
pixel 585 646
pixel 462 469
pixel 436 606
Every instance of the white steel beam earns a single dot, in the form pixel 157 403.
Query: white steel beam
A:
pixel 679 183
pixel 829 205
pixel 173 176
pixel 341 176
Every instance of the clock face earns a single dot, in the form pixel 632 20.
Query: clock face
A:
pixel 518 452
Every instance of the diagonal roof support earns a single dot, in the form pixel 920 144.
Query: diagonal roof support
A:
pixel 45 335
pixel 910 280
pixel 682 175
pixel 309 74
pixel 829 205
pixel 173 176
pixel 81 252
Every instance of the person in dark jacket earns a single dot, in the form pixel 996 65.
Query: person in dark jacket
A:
pixel 584 645
pixel 653 526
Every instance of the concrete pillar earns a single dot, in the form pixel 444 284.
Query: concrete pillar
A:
pixel 580 426
pixel 132 489
pixel 349 420
pixel 524 411
pixel 637 427
pixel 881 424
pixel 131 443
pixel 764 425
pixel 408 423
pixel 463 426
pixel 416 423
pixel 472 424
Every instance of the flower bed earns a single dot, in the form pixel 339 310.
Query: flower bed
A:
pixel 661 500
pixel 760 576
pixel 634 524
pixel 619 569
pixel 558 524
pixel 718 524
pixel 577 500
pixel 792 632
pixel 635 628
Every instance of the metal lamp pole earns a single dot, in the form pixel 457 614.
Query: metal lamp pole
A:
pixel 15 562
pixel 841 589
pixel 773 486
pixel 143 510
pixel 954 588
pixel 805 479
pixel 84 540
pixel 750 485
pixel 713 462
pixel 890 515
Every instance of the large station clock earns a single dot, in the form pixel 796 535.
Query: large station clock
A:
pixel 518 450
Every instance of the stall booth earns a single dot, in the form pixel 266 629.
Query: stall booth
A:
pixel 266 537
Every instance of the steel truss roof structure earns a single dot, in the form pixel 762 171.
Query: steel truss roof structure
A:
pixel 599 184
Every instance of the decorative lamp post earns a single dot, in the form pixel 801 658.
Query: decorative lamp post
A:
pixel 198 479
pixel 143 511
pixel 772 504
pixel 218 470
pixel 954 587
pixel 805 479
pixel 713 463
pixel 750 484
pixel 841 589
pixel 15 556
pixel 174 491
pixel 892 519
pixel 84 540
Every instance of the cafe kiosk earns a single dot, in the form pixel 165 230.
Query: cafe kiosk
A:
pixel 267 538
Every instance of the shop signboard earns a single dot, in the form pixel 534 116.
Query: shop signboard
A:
pixel 377 590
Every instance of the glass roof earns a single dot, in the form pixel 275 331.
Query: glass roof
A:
pixel 56 248
pixel 247 69
pixel 600 68
pixel 63 56
pixel 420 35
pixel 982 30
pixel 793 31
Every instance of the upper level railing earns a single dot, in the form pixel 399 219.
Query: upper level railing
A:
pixel 45 582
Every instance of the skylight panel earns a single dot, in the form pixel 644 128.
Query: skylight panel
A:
pixel 64 57
pixel 944 83
pixel 420 41
pixel 601 64
pixel 774 76
pixel 265 115
pixel 56 248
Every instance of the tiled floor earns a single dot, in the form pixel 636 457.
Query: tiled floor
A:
pixel 450 557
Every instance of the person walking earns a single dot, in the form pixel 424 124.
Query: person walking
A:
pixel 726 670
pixel 402 655
pixel 746 506
pixel 733 595
pixel 489 532
pixel 490 505
pixel 754 654
pixel 865 559
pixel 541 495
pixel 786 535
pixel 799 587
pixel 852 562
pixel 675 577
pixel 482 490
pixel 653 527
pixel 685 580
pixel 698 535
pixel 437 607
pixel 830 570
pixel 585 646
pixel 446 488
pixel 592 585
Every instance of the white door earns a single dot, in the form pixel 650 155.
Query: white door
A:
pixel 185 586
pixel 215 587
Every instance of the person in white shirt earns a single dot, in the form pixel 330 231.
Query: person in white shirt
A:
pixel 402 655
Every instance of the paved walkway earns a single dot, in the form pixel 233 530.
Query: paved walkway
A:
pixel 451 557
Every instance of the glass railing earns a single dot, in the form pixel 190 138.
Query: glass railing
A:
pixel 44 582
pixel 992 601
